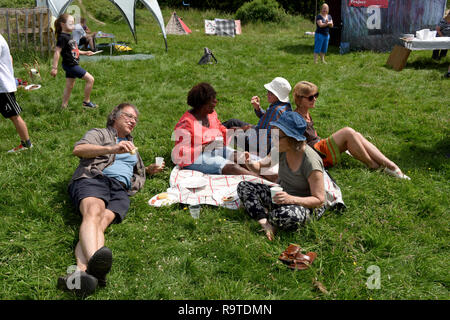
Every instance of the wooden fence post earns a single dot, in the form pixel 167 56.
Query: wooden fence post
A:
pixel 49 42
pixel 7 28
pixel 26 29
pixel 41 21
pixel 34 30
pixel 18 31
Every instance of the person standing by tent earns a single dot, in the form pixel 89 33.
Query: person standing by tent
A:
pixel 8 104
pixel 67 47
pixel 322 35
pixel 305 95
pixel 442 30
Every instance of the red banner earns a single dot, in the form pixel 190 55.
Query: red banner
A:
pixel 367 3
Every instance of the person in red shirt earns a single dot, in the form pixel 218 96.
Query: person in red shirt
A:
pixel 201 139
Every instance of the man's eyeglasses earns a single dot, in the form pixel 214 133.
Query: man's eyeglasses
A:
pixel 130 116
pixel 311 98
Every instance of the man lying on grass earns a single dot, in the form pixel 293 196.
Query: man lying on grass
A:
pixel 110 171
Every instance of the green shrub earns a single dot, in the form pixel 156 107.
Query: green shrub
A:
pixel 306 8
pixel 219 5
pixel 17 4
pixel 108 13
pixel 260 10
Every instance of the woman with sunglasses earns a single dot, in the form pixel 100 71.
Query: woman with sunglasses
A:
pixel 305 95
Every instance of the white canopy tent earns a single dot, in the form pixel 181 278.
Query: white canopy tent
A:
pixel 126 7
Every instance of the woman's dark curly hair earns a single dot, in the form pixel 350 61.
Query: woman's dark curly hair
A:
pixel 200 95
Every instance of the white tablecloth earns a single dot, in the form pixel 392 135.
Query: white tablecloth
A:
pixel 436 43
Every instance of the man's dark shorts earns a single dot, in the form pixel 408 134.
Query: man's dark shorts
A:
pixel 111 191
pixel 73 72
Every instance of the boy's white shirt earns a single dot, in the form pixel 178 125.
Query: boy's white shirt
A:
pixel 7 80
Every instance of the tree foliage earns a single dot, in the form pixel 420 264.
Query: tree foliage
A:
pixel 260 10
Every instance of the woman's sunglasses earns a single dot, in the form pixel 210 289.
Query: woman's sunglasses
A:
pixel 311 98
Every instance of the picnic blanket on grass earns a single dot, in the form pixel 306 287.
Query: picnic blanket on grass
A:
pixel 219 186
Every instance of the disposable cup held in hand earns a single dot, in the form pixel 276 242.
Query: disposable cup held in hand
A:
pixel 273 192
pixel 195 211
pixel 159 161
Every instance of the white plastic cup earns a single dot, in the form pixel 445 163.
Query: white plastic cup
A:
pixel 195 211
pixel 159 161
pixel 273 192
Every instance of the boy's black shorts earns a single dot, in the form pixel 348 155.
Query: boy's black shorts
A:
pixel 8 105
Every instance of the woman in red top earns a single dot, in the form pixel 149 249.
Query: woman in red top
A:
pixel 201 139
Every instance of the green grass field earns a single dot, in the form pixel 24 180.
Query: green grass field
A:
pixel 162 253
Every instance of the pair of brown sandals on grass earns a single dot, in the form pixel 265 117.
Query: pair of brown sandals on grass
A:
pixel 296 260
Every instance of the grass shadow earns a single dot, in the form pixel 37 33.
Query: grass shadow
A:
pixel 306 49
pixel 67 210
pixel 433 156
pixel 300 49
pixel 421 63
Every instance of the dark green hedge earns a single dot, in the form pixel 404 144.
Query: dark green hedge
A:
pixel 17 3
pixel 260 10
pixel 225 5
pixel 305 7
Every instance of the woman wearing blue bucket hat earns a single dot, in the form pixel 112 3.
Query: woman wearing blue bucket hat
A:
pixel 300 176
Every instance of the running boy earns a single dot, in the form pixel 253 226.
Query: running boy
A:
pixel 8 104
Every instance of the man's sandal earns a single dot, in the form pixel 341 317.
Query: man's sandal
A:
pixel 78 282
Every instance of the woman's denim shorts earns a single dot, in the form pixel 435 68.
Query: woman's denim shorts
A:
pixel 212 162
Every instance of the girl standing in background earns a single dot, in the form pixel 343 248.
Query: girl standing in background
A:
pixel 322 35
pixel 68 49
